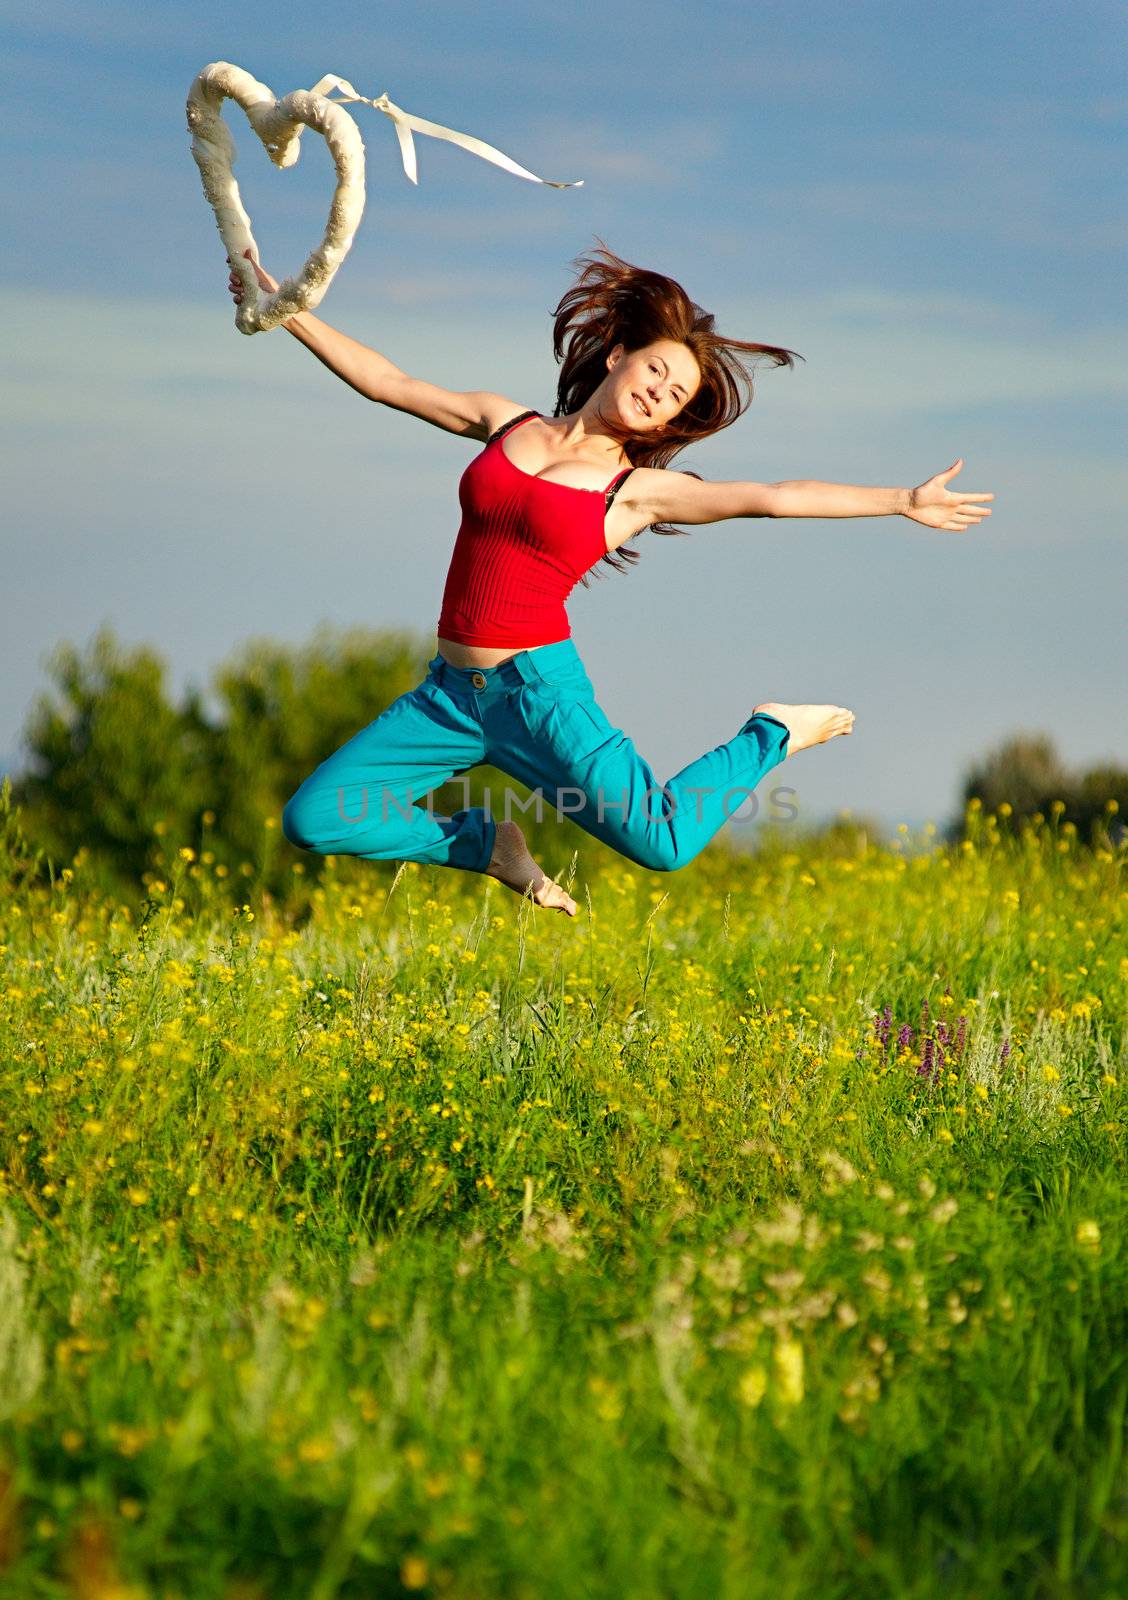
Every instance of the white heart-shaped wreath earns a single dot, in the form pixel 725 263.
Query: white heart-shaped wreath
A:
pixel 279 125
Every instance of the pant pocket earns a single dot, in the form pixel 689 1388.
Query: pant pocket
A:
pixel 566 728
pixel 569 673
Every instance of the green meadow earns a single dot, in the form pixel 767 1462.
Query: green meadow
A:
pixel 759 1233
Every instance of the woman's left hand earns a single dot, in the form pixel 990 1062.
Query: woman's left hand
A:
pixel 937 507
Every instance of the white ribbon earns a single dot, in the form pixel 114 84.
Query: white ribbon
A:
pixel 405 123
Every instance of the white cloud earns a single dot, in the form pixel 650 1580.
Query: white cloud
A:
pixel 890 353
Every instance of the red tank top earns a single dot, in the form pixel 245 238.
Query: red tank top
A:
pixel 523 545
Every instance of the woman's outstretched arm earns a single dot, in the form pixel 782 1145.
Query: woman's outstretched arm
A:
pixel 474 414
pixel 680 497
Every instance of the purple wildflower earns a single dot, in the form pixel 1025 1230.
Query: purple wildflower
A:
pixel 961 1036
pixel 925 1014
pixel 905 1037
pixel 927 1060
pixel 942 1034
pixel 1004 1053
pixel 882 1024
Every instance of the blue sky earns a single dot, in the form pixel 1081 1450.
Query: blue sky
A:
pixel 927 202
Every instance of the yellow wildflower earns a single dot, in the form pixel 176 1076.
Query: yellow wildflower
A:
pixel 787 1359
pixel 1088 1235
pixel 752 1386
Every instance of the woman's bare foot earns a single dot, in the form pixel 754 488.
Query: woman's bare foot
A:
pixel 809 724
pixel 512 865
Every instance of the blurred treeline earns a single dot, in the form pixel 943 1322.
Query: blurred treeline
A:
pixel 123 778
pixel 1025 779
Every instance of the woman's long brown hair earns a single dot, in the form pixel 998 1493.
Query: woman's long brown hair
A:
pixel 613 302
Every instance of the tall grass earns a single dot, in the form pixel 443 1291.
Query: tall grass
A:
pixel 761 1232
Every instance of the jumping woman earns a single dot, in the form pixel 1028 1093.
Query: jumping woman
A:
pixel 643 374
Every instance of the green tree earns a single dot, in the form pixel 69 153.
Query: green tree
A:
pixel 110 758
pixel 1025 772
pixel 1098 803
pixel 1025 777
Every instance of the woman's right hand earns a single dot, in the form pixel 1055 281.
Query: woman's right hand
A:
pixel 235 284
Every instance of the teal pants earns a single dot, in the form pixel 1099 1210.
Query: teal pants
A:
pixel 535 718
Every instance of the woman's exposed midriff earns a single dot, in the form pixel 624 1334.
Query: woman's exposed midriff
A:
pixel 471 655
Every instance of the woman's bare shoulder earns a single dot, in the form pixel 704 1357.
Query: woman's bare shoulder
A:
pixel 472 413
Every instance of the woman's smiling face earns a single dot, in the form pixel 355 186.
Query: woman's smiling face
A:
pixel 648 387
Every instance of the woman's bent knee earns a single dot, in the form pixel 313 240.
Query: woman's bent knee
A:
pixel 299 825
pixel 316 818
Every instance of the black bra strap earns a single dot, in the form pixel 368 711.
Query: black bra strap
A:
pixel 615 487
pixel 499 433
